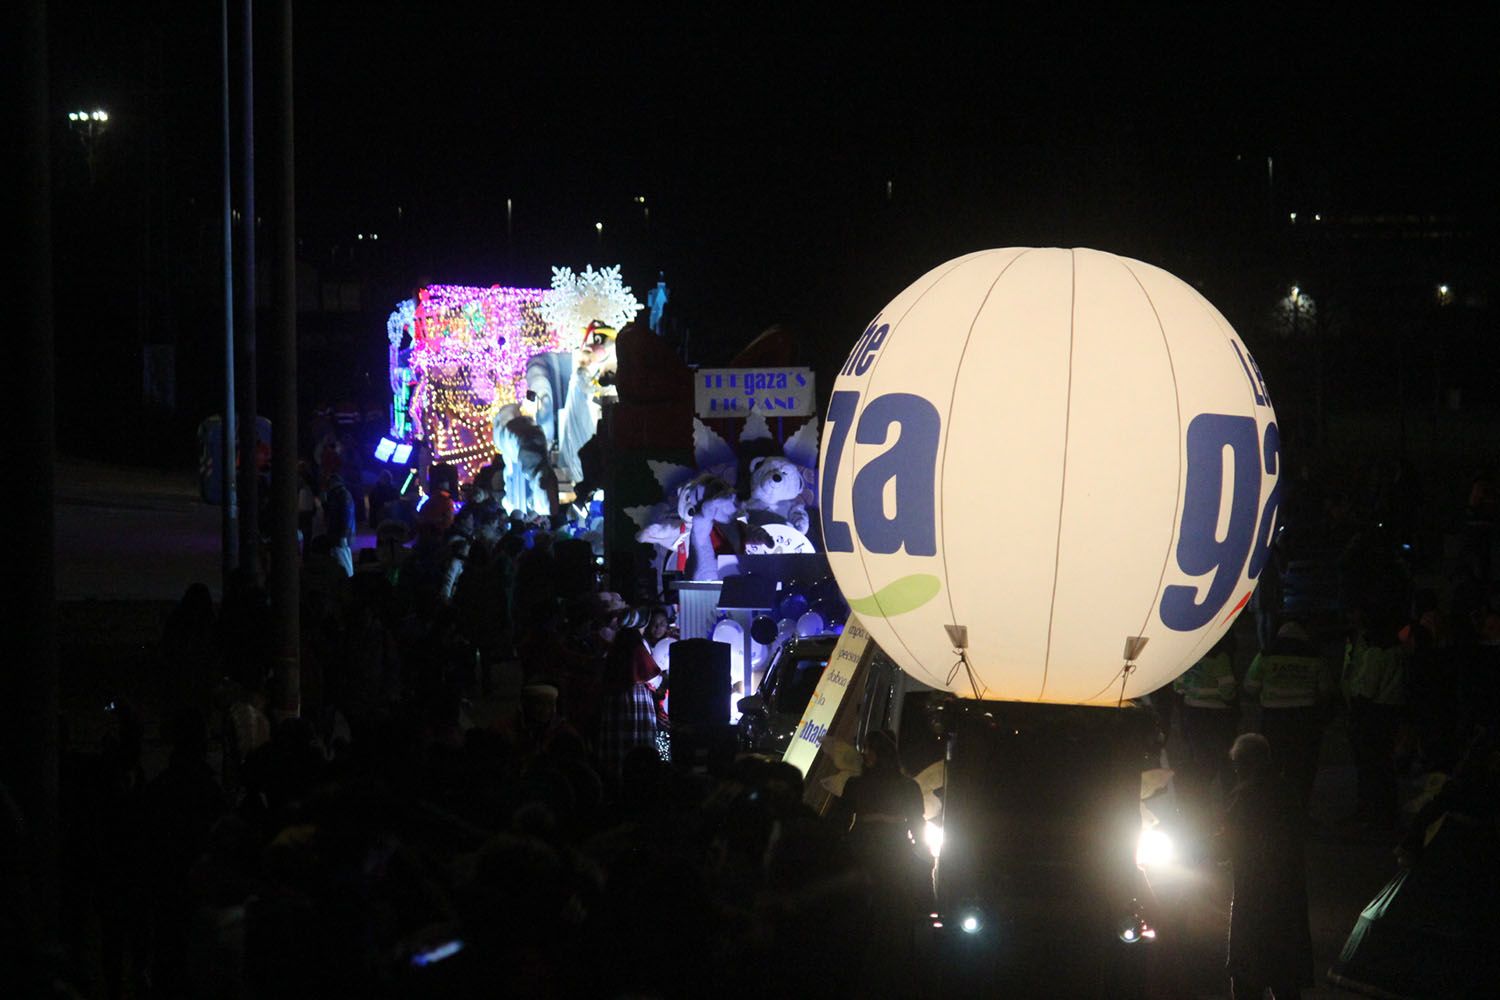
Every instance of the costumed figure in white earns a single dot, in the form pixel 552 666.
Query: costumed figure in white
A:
pixel 590 306
pixel 530 484
pixel 593 380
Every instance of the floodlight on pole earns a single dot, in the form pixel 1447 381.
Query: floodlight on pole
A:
pixel 89 125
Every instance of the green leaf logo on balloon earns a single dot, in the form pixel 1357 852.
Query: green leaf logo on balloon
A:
pixel 898 597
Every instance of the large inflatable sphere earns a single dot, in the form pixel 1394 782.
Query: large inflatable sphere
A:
pixel 1065 451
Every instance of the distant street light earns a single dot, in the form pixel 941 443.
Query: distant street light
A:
pixel 1299 312
pixel 1445 295
pixel 89 125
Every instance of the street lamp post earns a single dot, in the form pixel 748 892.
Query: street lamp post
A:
pixel 90 126
pixel 1299 304
pixel 1439 352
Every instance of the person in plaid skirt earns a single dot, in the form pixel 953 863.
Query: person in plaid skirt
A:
pixel 629 715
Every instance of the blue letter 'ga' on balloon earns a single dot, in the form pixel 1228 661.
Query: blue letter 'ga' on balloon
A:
pixel 1262 551
pixel 911 462
pixel 836 535
pixel 1199 550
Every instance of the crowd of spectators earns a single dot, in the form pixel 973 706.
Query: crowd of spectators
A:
pixel 1401 647
pixel 390 839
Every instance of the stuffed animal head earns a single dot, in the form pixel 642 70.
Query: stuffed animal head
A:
pixel 707 495
pixel 773 481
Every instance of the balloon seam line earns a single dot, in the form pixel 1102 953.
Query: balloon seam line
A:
pixel 948 425
pixel 1177 404
pixel 1062 492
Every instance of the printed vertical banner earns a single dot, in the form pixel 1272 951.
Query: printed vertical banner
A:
pixel 843 665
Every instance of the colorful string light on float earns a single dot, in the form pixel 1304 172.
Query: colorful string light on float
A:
pixel 457 355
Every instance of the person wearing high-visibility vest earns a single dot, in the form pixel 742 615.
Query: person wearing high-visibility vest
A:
pixel 1374 684
pixel 1209 721
pixel 1295 686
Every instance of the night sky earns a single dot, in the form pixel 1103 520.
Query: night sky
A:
pixel 798 168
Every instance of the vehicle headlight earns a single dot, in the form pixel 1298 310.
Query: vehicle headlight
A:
pixel 1154 848
pixel 932 836
pixel 1135 930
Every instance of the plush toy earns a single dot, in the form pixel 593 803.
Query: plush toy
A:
pixel 716 536
pixel 777 493
pixel 665 523
pixel 776 520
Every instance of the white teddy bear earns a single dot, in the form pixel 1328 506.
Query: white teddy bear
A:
pixel 777 493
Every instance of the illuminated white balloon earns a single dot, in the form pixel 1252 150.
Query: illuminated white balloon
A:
pixel 811 623
pixel 731 632
pixel 1060 450
pixel 662 653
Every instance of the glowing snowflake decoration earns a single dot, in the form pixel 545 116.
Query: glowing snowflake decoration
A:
pixel 401 322
pixel 576 300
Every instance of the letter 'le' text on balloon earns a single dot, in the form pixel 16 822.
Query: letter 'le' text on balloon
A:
pixel 909 465
pixel 1252 372
pixel 863 355
pixel 1200 550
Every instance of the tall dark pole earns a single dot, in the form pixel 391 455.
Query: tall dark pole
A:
pixel 28 682
pixel 229 510
pixel 248 408
pixel 284 451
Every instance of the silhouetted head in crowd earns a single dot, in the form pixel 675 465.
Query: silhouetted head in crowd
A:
pixel 880 752
pixel 197 604
pixel 658 622
pixel 1251 755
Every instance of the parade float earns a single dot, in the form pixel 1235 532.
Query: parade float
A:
pixel 458 356
pixel 518 372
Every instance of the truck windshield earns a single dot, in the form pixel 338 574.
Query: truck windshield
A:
pixel 793 683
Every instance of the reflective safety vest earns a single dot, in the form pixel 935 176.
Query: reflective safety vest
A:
pixel 1289 679
pixel 1209 683
pixel 1380 675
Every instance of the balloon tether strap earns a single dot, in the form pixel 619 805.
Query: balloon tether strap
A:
pixel 1125 673
pixel 963 662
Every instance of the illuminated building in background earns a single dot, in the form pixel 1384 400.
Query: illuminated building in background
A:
pixel 458 354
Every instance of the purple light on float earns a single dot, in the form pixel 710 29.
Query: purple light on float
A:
pixel 458 353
